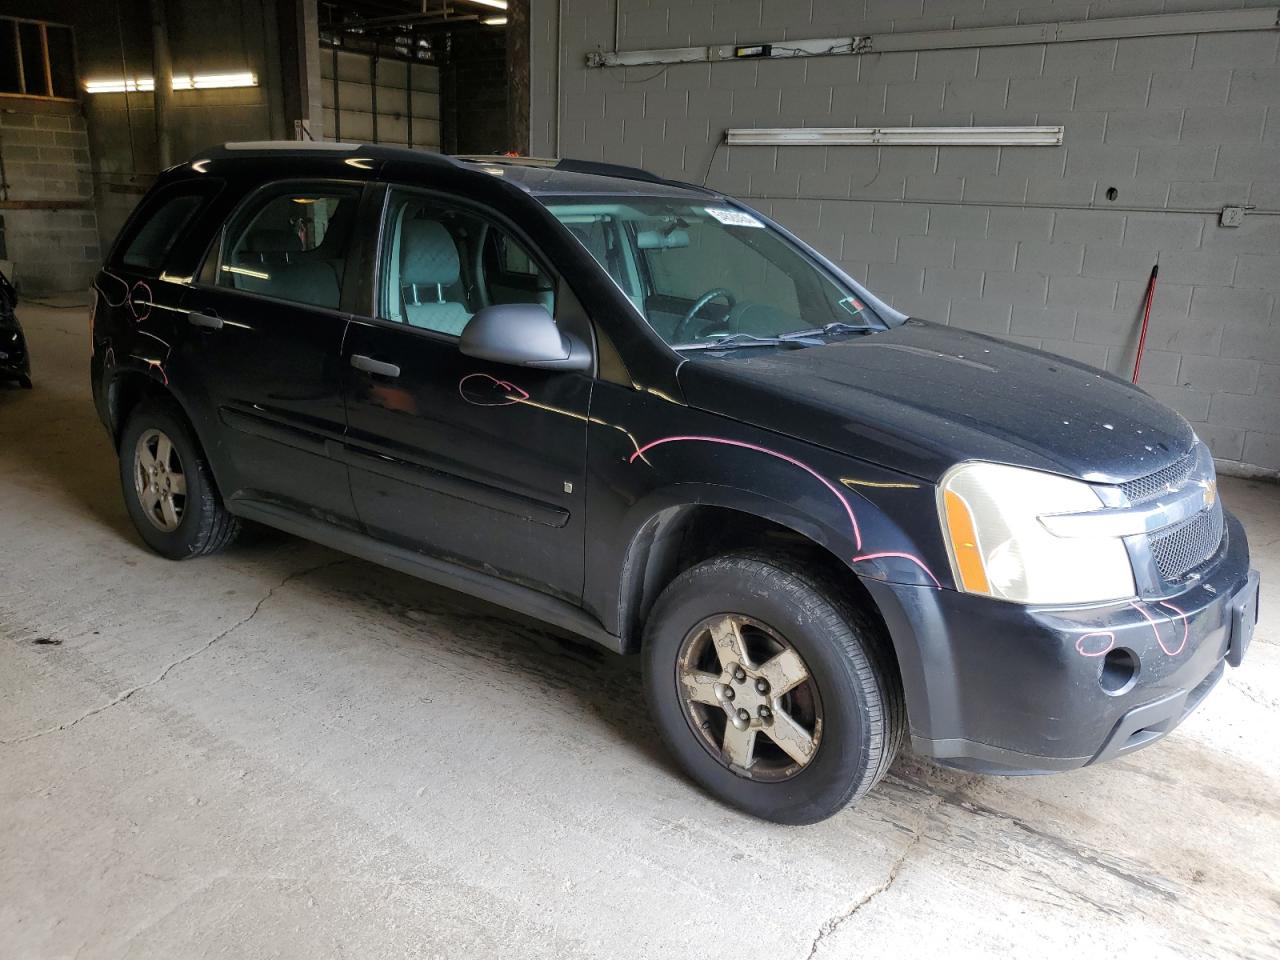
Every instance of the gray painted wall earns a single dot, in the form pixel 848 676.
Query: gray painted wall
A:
pixel 1017 242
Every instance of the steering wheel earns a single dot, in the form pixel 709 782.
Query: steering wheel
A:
pixel 681 330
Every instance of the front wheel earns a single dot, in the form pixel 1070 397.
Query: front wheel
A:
pixel 773 693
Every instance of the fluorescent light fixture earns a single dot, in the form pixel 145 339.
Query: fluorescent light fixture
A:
pixel 493 4
pixel 903 136
pixel 215 81
pixel 201 81
pixel 133 85
pixel 494 21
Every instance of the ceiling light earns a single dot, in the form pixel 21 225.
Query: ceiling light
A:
pixel 495 4
pixel 905 136
pixel 494 21
pixel 133 85
pixel 216 81
pixel 201 81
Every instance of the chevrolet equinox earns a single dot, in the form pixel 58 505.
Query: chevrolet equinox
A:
pixel 645 413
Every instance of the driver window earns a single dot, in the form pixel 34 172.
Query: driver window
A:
pixel 442 264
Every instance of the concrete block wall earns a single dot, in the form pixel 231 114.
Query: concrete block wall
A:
pixel 1029 244
pixel 114 40
pixel 50 228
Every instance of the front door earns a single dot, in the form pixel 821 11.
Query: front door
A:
pixel 466 460
pixel 264 345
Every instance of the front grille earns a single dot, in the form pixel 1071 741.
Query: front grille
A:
pixel 1180 549
pixel 1151 486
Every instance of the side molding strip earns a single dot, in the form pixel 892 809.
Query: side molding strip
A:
pixel 523 600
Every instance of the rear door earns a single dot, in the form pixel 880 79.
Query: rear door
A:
pixel 470 461
pixel 264 346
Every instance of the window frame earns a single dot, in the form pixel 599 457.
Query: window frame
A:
pixel 5 21
pixel 205 276
pixel 492 217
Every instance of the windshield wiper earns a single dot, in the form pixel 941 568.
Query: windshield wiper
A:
pixel 733 341
pixel 828 330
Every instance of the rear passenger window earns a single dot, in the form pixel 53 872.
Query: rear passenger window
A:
pixel 292 246
pixel 159 230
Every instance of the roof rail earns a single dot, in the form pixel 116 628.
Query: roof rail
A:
pixel 609 170
pixel 570 165
pixel 304 146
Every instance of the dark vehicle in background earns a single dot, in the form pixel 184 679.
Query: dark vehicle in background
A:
pixel 641 411
pixel 15 364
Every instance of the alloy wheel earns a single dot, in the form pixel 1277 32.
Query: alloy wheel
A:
pixel 749 697
pixel 159 480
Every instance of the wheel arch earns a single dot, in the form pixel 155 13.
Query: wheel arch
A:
pixel 692 523
pixel 129 385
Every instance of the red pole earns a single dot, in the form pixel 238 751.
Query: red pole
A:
pixel 1146 317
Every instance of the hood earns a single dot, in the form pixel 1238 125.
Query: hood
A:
pixel 921 397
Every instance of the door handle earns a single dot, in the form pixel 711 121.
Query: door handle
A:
pixel 208 319
pixel 370 365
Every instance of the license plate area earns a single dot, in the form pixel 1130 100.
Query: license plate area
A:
pixel 1244 617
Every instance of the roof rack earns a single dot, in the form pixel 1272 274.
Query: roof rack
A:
pixel 305 146
pixel 384 152
pixel 592 167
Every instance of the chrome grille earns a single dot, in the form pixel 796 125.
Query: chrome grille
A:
pixel 1180 549
pixel 1151 486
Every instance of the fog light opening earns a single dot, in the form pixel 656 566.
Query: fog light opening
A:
pixel 1119 670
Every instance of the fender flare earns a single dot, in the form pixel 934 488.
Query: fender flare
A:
pixel 650 529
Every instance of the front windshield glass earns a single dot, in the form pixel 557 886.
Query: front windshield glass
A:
pixel 712 275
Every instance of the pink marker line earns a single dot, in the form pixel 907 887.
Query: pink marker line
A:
pixel 853 521
pixel 133 306
pixel 513 394
pixel 1186 627
pixel 123 282
pixel 902 556
pixel 1156 630
pixel 1080 643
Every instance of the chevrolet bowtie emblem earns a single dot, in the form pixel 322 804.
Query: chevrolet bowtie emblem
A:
pixel 1210 492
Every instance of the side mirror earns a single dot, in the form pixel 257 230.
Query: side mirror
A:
pixel 524 335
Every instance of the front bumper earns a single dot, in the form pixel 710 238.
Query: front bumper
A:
pixel 997 687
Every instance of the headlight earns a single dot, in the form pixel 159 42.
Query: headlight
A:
pixel 1000 548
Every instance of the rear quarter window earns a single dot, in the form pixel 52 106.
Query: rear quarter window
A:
pixel 160 225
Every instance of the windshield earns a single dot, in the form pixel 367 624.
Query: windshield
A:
pixel 708 276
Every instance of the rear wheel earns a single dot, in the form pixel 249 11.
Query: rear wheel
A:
pixel 168 487
pixel 774 694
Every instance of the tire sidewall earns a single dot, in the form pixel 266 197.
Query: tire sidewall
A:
pixel 183 542
pixel 791 607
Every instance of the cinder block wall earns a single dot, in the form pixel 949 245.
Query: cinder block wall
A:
pixel 50 229
pixel 1020 242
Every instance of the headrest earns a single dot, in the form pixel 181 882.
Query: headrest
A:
pixel 428 254
pixel 266 240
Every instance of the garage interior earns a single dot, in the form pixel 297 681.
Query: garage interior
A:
pixel 284 751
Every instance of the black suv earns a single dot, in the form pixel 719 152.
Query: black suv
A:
pixel 641 411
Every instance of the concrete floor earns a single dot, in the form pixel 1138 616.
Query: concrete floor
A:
pixel 284 752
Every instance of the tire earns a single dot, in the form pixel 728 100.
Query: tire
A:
pixel 852 695
pixel 203 524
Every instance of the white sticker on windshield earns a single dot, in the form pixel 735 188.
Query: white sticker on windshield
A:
pixel 733 218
